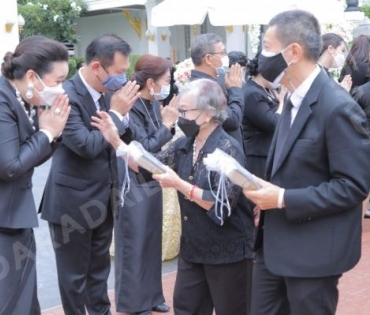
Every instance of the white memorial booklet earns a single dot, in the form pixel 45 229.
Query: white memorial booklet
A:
pixel 142 157
pixel 221 162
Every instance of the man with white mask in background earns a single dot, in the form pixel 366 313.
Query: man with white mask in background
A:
pixel 210 59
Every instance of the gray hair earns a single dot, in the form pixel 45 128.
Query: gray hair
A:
pixel 207 95
pixel 202 45
pixel 298 26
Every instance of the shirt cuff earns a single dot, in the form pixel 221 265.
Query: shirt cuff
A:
pixel 122 149
pixel 124 119
pixel 280 203
pixel 48 134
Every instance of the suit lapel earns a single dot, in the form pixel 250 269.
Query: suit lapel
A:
pixel 300 121
pixel 84 95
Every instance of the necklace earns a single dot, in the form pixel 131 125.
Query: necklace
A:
pixel 150 117
pixel 31 113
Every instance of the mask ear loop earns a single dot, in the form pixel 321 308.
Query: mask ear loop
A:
pixel 220 197
pixel 126 182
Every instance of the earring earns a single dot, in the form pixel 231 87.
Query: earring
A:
pixel 29 92
pixel 151 91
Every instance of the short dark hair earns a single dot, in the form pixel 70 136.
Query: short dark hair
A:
pixel 149 66
pixel 330 39
pixel 36 53
pixel 298 26
pixel 237 57
pixel 104 48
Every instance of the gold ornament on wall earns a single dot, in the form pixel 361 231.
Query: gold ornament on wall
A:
pixel 135 22
pixel 229 28
pixel 195 30
pixel 9 26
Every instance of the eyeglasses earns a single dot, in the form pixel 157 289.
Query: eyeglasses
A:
pixel 182 112
pixel 222 53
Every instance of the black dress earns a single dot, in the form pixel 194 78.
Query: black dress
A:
pixel 259 122
pixel 138 228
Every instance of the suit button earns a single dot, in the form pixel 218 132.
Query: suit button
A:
pixel 185 218
pixel 190 177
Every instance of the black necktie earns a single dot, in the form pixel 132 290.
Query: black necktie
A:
pixel 102 103
pixel 283 131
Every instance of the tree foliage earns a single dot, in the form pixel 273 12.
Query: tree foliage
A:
pixel 366 9
pixel 56 19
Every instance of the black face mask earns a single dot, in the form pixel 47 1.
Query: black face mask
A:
pixel 189 127
pixel 272 67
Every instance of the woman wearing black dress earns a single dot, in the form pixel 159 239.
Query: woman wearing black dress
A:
pixel 138 228
pixel 259 119
pixel 357 61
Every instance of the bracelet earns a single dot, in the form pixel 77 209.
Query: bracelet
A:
pixel 191 192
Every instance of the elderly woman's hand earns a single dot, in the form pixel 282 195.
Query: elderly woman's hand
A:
pixel 168 179
pixel 107 127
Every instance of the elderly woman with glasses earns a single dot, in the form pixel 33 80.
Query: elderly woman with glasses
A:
pixel 216 252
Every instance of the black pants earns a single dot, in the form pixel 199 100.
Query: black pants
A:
pixel 18 286
pixel 83 265
pixel 201 288
pixel 277 295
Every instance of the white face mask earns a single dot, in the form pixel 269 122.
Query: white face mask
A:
pixel 165 91
pixel 225 65
pixel 49 94
pixel 338 61
pixel 225 61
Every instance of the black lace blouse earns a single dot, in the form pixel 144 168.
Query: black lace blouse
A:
pixel 204 238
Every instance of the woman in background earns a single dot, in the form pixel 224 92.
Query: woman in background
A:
pixel 32 76
pixel 259 119
pixel 333 55
pixel 357 61
pixel 138 228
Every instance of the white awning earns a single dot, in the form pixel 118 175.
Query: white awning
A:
pixel 94 5
pixel 240 12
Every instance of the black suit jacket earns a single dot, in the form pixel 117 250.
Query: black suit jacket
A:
pixel 325 170
pixel 83 176
pixel 22 148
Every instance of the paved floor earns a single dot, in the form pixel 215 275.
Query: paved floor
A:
pixel 46 269
pixel 354 286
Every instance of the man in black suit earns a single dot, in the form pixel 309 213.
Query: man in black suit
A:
pixel 81 196
pixel 210 60
pixel 318 168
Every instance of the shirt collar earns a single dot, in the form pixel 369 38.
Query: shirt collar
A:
pixel 301 91
pixel 94 93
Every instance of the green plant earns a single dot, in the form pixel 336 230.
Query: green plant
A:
pixel 131 70
pixel 366 9
pixel 56 19
pixel 73 62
